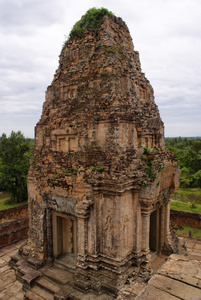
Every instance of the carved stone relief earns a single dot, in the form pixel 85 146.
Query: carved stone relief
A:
pixel 108 233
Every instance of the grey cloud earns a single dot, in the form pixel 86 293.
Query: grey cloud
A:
pixel 167 35
pixel 42 13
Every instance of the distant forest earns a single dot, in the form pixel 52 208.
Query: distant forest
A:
pixel 15 151
pixel 188 153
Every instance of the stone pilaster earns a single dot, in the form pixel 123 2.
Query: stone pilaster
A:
pixel 145 232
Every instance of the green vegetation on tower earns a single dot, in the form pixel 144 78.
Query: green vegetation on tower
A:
pixel 91 21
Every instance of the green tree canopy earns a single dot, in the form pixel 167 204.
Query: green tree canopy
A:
pixel 188 153
pixel 14 164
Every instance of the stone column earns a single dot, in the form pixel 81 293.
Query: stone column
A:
pixel 167 221
pixel 138 231
pixel 54 234
pixel 145 231
pixel 157 229
pixel 80 227
pixel 82 240
pixel 162 227
pixel 49 235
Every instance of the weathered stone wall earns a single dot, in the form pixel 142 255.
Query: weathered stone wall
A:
pixel 101 83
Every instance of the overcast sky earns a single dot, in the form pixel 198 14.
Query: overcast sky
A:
pixel 167 35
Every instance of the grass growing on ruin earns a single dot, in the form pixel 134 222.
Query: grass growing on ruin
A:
pixel 188 207
pixel 91 21
pixel 6 204
pixel 184 231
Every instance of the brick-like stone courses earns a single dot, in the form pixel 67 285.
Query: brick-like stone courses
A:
pixel 13 232
pixel 185 218
pixel 89 161
pixel 13 225
pixel 20 212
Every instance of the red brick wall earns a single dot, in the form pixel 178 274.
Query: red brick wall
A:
pixel 185 218
pixel 14 213
pixel 13 232
pixel 14 224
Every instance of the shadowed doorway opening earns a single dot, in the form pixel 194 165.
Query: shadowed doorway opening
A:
pixel 154 234
pixel 64 239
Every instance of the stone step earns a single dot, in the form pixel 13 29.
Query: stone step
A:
pixel 67 262
pixel 35 263
pixel 68 292
pixel 21 263
pixel 36 293
pixel 31 296
pixel 24 269
pixel 93 296
pixel 158 261
pixel 30 278
pixel 57 275
pixel 15 258
pixel 48 285
pixel 61 265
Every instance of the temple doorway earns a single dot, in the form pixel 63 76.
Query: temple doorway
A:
pixel 155 230
pixel 64 238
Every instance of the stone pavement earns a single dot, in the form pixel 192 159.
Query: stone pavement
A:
pixel 178 278
pixel 10 288
pixel 193 248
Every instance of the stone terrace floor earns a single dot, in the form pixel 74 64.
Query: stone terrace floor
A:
pixel 10 288
pixel 178 278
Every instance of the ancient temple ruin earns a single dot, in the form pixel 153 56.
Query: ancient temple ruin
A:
pixel 100 180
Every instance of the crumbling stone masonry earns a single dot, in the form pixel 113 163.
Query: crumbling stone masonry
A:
pixel 100 180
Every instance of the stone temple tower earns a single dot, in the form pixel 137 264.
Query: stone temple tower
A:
pixel 100 179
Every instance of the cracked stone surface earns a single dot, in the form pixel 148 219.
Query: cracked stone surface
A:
pixel 178 278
